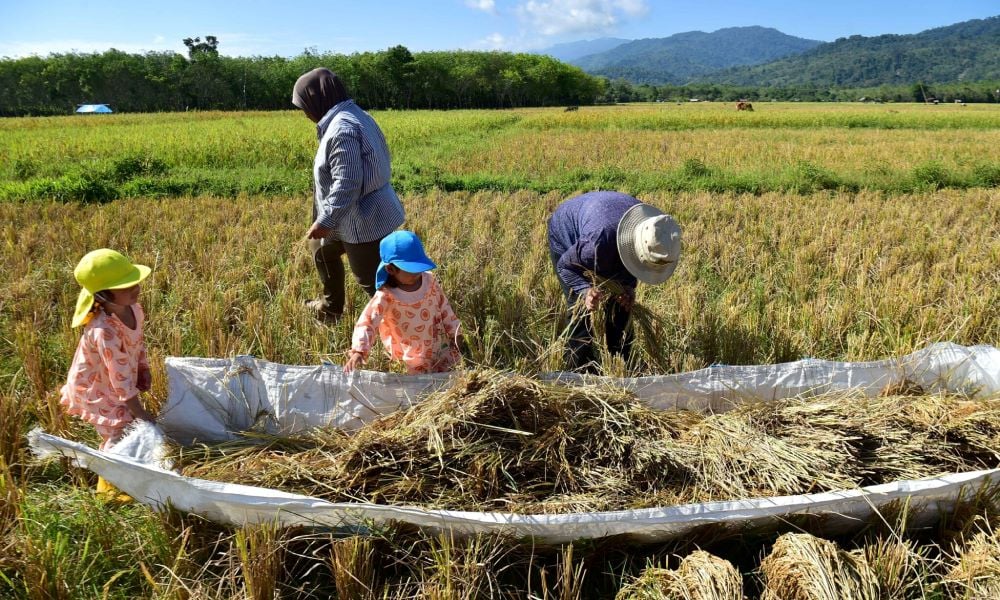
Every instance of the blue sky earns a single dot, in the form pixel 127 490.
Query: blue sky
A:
pixel 259 27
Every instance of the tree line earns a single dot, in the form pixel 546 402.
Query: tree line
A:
pixel 206 80
pixel 621 90
pixel 393 78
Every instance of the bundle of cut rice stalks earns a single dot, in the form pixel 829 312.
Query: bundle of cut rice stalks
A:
pixel 803 567
pixel 902 569
pixel 496 441
pixel 491 442
pixel 700 576
pixel 976 573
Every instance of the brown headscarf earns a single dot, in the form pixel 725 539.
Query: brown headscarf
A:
pixel 317 92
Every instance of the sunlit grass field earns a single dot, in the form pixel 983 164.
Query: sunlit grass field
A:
pixel 846 232
pixel 644 148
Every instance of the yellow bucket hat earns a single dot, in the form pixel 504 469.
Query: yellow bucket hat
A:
pixel 99 270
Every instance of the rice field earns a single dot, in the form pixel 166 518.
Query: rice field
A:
pixel 811 230
pixel 646 148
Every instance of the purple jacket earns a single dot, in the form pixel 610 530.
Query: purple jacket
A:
pixel 583 234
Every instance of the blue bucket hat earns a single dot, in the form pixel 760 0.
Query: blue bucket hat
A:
pixel 404 250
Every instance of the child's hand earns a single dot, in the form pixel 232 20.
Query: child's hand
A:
pixel 138 410
pixel 355 360
pixel 144 380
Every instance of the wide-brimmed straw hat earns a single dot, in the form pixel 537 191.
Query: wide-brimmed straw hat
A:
pixel 99 270
pixel 403 250
pixel 649 242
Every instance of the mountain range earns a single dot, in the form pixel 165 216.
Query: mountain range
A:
pixel 761 56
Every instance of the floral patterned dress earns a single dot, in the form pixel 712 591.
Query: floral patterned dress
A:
pixel 418 328
pixel 104 373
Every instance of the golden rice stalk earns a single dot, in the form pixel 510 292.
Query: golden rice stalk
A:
pixel 261 554
pixel 976 574
pixel 352 562
pixel 901 568
pixel 647 326
pixel 737 459
pixel 803 567
pixel 700 576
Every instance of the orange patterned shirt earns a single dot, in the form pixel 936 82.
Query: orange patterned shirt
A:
pixel 104 373
pixel 418 328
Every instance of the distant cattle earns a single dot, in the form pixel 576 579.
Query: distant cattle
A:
pixel 744 106
pixel 571 108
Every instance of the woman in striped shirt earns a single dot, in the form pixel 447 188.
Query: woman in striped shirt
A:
pixel 354 205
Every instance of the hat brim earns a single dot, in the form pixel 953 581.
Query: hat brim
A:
pixel 138 273
pixel 414 266
pixel 644 272
pixel 382 274
pixel 85 301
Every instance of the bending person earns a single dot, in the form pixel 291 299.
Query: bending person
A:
pixel 608 235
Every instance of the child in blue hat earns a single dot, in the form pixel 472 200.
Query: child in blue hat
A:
pixel 409 311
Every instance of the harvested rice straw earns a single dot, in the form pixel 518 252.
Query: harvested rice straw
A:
pixel 492 441
pixel 648 327
pixel 803 567
pixel 869 433
pixel 497 441
pixel 976 574
pixel 700 576
pixel 900 567
pixel 739 460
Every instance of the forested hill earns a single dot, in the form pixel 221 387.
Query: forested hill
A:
pixel 572 51
pixel 206 80
pixel 683 57
pixel 968 51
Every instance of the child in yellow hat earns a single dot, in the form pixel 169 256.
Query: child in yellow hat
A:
pixel 109 368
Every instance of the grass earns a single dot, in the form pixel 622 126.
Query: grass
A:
pixel 844 232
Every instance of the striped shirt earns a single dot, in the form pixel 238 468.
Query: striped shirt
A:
pixel 354 197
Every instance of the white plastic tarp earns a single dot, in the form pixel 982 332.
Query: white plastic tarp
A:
pixel 211 399
pixel 241 504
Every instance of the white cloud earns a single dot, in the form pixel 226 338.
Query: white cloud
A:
pixel 494 41
pixel 18 49
pixel 483 5
pixel 556 17
pixel 230 44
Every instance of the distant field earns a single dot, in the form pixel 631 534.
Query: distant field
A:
pixel 849 232
pixel 790 147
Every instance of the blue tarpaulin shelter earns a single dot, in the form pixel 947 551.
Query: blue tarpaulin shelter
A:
pixel 93 108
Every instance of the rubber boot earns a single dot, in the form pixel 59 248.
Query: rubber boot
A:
pixel 109 493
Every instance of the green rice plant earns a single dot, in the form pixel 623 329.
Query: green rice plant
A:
pixel 69 545
pixel 227 154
